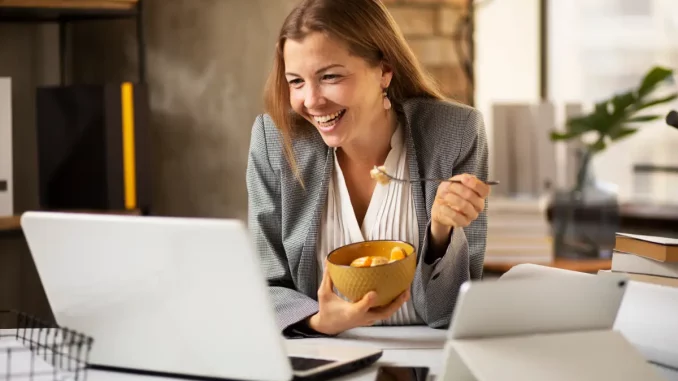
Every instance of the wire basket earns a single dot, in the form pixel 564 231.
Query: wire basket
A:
pixel 33 350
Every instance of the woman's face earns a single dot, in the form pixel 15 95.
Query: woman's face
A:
pixel 340 94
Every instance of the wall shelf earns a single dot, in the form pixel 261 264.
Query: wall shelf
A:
pixel 65 11
pixel 10 223
pixel 13 223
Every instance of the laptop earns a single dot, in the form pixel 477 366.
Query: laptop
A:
pixel 504 329
pixel 182 297
pixel 655 338
pixel 522 304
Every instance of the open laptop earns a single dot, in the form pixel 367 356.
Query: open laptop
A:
pixel 541 303
pixel 656 338
pixel 181 297
pixel 506 329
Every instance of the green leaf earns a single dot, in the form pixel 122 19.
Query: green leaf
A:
pixel 555 136
pixel 643 118
pixel 622 101
pixel 652 79
pixel 598 146
pixel 602 108
pixel 657 101
pixel 622 132
pixel 579 125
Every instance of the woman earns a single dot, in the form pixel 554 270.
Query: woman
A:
pixel 346 94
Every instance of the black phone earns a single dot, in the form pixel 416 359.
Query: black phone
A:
pixel 402 373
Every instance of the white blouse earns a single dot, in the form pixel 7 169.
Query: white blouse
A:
pixel 390 215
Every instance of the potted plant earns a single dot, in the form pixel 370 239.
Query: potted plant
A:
pixel 582 220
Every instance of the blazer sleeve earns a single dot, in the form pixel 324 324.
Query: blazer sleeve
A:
pixel 436 285
pixel 264 221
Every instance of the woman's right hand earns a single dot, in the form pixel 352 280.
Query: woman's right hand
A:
pixel 336 315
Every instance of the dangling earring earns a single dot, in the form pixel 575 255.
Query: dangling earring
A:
pixel 387 102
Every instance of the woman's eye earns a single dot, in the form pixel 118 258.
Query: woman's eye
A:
pixel 330 77
pixel 295 82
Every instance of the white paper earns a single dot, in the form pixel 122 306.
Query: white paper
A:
pixel 400 337
pixel 18 361
pixel 6 197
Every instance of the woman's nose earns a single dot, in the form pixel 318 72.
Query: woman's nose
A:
pixel 313 97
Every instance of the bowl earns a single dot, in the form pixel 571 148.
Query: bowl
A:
pixel 388 280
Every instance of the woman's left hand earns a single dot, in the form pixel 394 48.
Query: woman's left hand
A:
pixel 456 206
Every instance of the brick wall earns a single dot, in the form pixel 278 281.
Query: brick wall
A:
pixel 431 29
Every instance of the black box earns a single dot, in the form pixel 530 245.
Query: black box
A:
pixel 94 147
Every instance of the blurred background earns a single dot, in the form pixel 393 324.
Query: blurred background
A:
pixel 185 77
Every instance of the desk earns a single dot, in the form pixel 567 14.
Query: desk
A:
pixel 413 357
pixel 394 354
pixel 402 346
pixel 581 265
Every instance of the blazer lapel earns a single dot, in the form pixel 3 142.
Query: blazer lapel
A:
pixel 316 190
pixel 417 187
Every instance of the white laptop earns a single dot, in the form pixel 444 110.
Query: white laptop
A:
pixel 508 330
pixel 540 304
pixel 656 337
pixel 172 297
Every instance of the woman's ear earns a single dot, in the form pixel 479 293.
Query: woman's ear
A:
pixel 386 74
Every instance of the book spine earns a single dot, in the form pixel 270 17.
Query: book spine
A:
pixel 6 162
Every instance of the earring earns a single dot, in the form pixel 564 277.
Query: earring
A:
pixel 387 102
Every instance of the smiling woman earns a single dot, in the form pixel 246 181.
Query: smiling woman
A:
pixel 346 94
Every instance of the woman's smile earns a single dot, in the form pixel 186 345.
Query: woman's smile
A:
pixel 328 122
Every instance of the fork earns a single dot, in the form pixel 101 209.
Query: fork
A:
pixel 489 182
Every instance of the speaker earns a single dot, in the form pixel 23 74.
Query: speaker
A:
pixel 6 178
pixel 94 147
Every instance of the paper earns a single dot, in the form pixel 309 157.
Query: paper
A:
pixel 22 364
pixel 400 337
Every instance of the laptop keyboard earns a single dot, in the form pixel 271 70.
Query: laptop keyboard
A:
pixel 302 363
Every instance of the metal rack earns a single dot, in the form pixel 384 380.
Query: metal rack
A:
pixel 34 350
pixel 66 12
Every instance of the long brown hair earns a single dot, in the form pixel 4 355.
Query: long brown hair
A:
pixel 370 32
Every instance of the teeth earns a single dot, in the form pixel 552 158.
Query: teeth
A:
pixel 326 118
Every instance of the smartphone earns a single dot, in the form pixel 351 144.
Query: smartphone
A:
pixel 402 373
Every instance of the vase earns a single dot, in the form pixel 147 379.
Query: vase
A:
pixel 584 219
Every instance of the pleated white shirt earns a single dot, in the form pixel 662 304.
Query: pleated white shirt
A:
pixel 390 215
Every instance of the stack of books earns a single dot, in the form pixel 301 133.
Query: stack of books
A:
pixel 645 258
pixel 518 232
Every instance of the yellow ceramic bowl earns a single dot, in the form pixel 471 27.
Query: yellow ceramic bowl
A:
pixel 388 280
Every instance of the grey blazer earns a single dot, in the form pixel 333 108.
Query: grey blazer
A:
pixel 442 139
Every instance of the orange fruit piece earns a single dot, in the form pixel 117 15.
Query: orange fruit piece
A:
pixel 397 254
pixel 377 261
pixel 362 262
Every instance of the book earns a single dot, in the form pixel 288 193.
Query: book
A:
pixel 659 248
pixel 632 263
pixel 662 281
pixel 6 176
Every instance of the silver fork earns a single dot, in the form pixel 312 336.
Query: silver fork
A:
pixel 489 182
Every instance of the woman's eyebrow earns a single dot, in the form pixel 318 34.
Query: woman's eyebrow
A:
pixel 325 68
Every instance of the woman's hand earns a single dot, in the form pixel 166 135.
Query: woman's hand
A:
pixel 456 206
pixel 336 315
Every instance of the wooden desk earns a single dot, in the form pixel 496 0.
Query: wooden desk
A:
pixel 581 265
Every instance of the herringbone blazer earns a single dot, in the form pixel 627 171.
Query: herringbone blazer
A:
pixel 442 139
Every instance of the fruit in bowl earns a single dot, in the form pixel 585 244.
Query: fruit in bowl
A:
pixel 386 267
pixel 397 253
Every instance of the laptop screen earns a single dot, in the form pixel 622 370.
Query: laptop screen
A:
pixel 303 364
